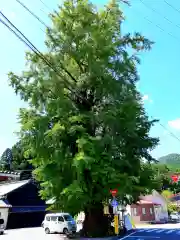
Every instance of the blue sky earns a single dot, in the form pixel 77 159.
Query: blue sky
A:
pixel 160 78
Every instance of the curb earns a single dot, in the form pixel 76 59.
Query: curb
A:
pixel 111 238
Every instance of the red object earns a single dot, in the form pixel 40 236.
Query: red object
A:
pixel 113 192
pixel 175 178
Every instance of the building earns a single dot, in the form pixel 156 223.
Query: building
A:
pixel 150 208
pixel 161 209
pixel 7 176
pixel 4 211
pixel 143 211
pixel 27 208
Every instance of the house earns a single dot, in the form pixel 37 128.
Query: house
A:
pixel 161 209
pixel 7 176
pixel 143 211
pixel 150 208
pixel 27 208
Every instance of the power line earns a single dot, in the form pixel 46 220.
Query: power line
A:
pixel 33 14
pixel 154 10
pixel 165 128
pixel 158 26
pixel 174 8
pixel 45 5
pixel 172 134
pixel 36 51
pixel 28 43
pixel 163 30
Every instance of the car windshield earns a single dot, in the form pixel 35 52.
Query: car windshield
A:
pixel 68 218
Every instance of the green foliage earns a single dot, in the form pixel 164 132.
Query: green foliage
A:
pixel 20 161
pixel 173 208
pixel 163 175
pixel 17 158
pixel 85 123
pixel 167 195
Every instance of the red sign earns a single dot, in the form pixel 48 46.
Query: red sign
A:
pixel 175 178
pixel 113 192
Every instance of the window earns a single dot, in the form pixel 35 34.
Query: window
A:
pixel 151 211
pixel 143 211
pixel 60 219
pixel 48 219
pixel 134 212
pixel 54 219
pixel 68 218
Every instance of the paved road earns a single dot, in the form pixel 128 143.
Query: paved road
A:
pixel 30 234
pixel 157 232
pixel 163 232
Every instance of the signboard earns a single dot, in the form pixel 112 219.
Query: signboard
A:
pixel 114 203
pixel 113 192
pixel 116 224
pixel 175 178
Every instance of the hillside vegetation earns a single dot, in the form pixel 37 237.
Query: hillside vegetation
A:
pixel 172 160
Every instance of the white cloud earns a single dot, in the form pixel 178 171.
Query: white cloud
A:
pixel 175 123
pixel 146 98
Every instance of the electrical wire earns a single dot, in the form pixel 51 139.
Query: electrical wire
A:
pixel 45 5
pixel 172 134
pixel 170 5
pixel 155 10
pixel 33 14
pixel 35 50
pixel 163 30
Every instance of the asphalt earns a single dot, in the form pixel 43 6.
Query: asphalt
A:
pixel 154 234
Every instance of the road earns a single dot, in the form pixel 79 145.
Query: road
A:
pixel 156 232
pixel 153 232
pixel 30 234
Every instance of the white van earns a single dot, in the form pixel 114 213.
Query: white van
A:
pixel 59 223
pixel 2 227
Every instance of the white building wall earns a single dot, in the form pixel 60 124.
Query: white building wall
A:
pixel 4 214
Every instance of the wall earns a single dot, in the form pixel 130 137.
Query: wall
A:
pixel 138 214
pixel 4 214
pixel 28 209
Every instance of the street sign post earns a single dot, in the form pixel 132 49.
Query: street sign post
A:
pixel 114 192
pixel 116 224
pixel 114 203
pixel 175 178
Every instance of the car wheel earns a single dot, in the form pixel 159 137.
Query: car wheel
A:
pixel 65 231
pixel 47 231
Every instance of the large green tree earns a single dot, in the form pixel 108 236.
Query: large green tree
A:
pixel 85 123
pixel 15 159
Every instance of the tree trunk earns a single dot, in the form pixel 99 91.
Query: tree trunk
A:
pixel 96 224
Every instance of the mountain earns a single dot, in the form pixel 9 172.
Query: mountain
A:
pixel 172 159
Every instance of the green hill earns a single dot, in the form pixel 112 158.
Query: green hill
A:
pixel 172 160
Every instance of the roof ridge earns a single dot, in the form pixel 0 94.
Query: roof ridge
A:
pixel 13 182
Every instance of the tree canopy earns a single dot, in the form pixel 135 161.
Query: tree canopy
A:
pixel 15 159
pixel 86 125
